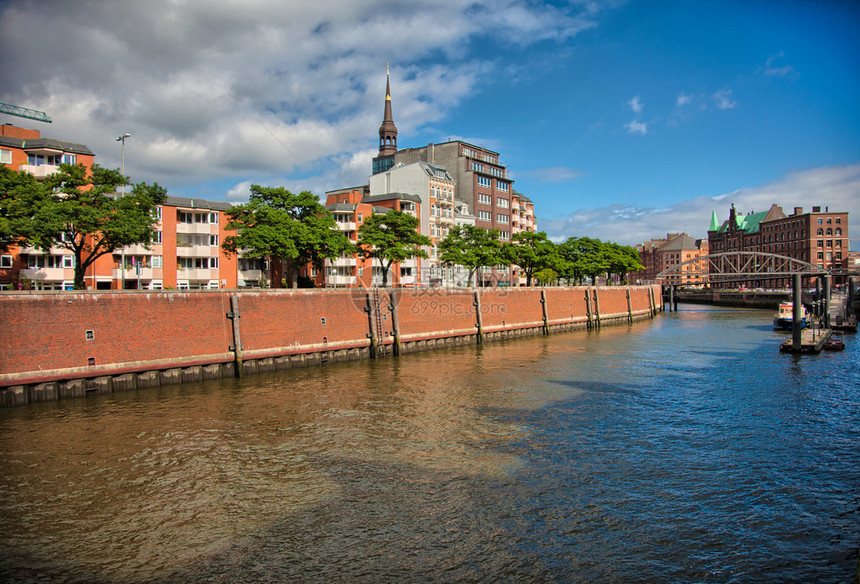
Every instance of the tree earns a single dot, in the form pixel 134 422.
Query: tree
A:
pixel 471 247
pixel 583 257
pixel 288 229
pixel 532 252
pixel 82 213
pixel 20 194
pixel 391 237
pixel 621 260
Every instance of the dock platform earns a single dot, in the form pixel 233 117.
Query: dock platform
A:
pixel 811 341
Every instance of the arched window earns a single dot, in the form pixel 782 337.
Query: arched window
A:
pixel 838 231
pixel 829 231
pixel 820 231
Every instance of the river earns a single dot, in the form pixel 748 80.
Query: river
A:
pixel 680 449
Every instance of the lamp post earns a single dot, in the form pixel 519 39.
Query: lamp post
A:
pixel 122 194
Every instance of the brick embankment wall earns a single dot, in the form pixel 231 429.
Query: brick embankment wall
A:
pixel 58 345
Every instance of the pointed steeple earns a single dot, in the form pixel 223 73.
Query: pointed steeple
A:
pixel 387 131
pixel 715 224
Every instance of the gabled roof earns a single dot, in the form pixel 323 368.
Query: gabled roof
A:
pixel 680 243
pixel 341 207
pixel 45 144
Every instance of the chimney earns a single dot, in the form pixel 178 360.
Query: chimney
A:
pixel 816 209
pixel 798 211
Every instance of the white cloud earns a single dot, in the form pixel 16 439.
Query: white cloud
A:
pixel 553 174
pixel 723 99
pixel 835 187
pixel 637 127
pixel 771 70
pixel 213 92
pixel 683 99
pixel 636 104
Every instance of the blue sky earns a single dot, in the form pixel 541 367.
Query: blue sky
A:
pixel 621 120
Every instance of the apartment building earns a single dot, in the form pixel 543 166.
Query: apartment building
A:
pixel 522 213
pixel 435 187
pixel 185 254
pixel 350 208
pixel 26 150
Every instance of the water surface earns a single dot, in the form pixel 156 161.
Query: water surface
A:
pixel 683 449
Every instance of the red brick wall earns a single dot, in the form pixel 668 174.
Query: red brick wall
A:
pixel 511 307
pixel 44 333
pixel 435 312
pixel 285 321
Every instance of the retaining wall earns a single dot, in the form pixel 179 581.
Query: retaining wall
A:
pixel 58 345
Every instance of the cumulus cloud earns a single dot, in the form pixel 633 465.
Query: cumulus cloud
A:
pixel 636 104
pixel 683 99
pixel 723 99
pixel 637 127
pixel 833 187
pixel 213 90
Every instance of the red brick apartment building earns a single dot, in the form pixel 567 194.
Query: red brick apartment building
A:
pixel 350 207
pixel 185 254
pixel 818 237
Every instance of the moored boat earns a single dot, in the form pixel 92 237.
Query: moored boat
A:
pixel 783 320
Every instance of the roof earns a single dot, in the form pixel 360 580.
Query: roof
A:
pixel 341 207
pixel 45 144
pixel 196 203
pixel 680 243
pixel 391 197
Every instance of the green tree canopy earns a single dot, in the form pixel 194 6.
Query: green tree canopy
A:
pixel 20 195
pixel 288 229
pixel 622 259
pixel 391 237
pixel 82 213
pixel 583 257
pixel 532 252
pixel 471 247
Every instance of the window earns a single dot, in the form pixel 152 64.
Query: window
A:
pixel 485 199
pixel 5 156
pixel 157 238
pixel 503 218
pixel 502 186
pixel 478 167
pixel 484 181
pixel 502 202
pixel 156 261
pixel 5 261
pixel 213 263
pixel 213 241
pixel 213 218
pixel 485 216
pixel 158 213
pixel 820 230
pixel 68 261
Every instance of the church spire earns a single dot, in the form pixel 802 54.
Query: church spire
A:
pixel 387 131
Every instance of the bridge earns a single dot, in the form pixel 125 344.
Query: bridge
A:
pixel 742 266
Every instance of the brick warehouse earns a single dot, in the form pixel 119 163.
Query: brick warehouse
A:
pixel 103 342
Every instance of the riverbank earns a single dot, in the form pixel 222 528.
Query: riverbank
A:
pixel 60 345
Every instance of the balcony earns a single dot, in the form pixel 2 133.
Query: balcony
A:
pixel 131 274
pixel 41 171
pixel 340 280
pixel 250 275
pixel 48 274
pixel 140 250
pixel 196 251
pixel 194 228
pixel 196 274
pixel 341 262
pixel 346 225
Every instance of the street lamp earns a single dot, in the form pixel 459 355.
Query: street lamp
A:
pixel 122 168
pixel 122 194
